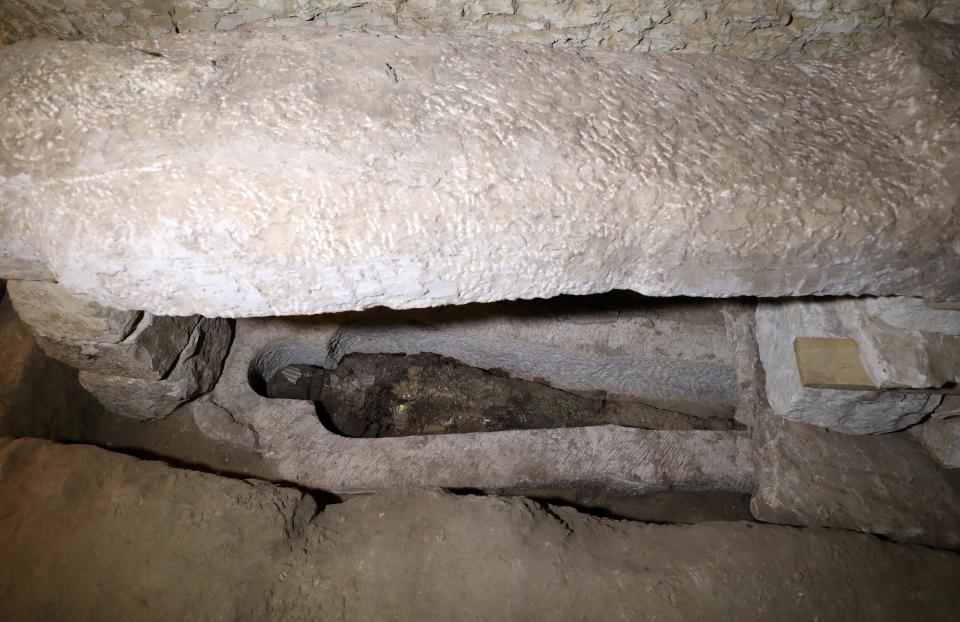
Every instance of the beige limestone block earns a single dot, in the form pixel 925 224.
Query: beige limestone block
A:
pixel 884 484
pixel 227 175
pixel 778 325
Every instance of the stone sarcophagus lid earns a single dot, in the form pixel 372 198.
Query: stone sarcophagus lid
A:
pixel 297 171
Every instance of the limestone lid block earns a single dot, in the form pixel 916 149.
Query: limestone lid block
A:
pixel 304 170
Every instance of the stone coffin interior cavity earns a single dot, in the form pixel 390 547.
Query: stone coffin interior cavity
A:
pixel 577 361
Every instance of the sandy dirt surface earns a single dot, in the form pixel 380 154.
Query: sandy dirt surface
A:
pixel 87 534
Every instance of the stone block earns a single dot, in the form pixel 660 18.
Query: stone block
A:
pixel 195 372
pixel 147 354
pixel 778 325
pixel 883 484
pixel 56 314
pixel 98 339
pixel 410 179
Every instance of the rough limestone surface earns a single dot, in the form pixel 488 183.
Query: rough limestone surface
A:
pixel 884 484
pixel 36 393
pixel 136 540
pixel 100 339
pixel 949 407
pixel 922 348
pixel 941 438
pixel 195 372
pixel 56 314
pixel 778 325
pixel 912 314
pixel 752 28
pixel 221 174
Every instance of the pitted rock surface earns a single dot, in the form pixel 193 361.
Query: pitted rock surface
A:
pixel 300 171
pixel 750 28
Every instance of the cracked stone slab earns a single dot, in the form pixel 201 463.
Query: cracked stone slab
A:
pixel 195 372
pixel 411 171
pixel 778 325
pixel 884 484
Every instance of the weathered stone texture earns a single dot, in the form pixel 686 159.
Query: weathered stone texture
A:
pixel 778 325
pixel 923 351
pixel 98 339
pixel 134 540
pixel 941 438
pixel 751 28
pixel 949 407
pixel 194 373
pixel 884 484
pixel 56 314
pixel 411 172
pixel 38 396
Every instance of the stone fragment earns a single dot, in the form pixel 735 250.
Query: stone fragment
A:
pixel 147 354
pixel 218 424
pixel 941 438
pixel 778 325
pixel 195 373
pixel 56 314
pixel 100 339
pixel 415 171
pixel 883 484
